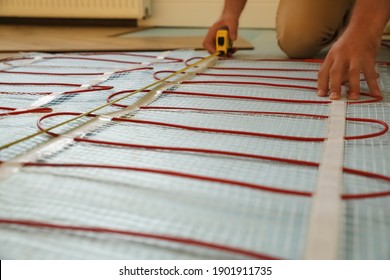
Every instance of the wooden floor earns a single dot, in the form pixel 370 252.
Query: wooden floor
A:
pixel 20 38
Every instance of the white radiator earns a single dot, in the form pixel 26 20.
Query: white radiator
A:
pixel 110 9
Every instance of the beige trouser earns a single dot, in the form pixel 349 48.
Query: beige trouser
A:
pixel 304 27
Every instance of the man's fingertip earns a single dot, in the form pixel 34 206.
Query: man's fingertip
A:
pixel 321 93
pixel 353 96
pixel 334 96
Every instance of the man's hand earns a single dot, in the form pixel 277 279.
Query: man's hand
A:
pixel 230 15
pixel 355 51
pixel 209 40
pixel 350 56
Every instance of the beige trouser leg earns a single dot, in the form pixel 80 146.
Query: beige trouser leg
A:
pixel 304 27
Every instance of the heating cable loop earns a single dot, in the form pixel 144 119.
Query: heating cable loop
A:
pixel 104 77
pixel 37 105
pixel 291 86
pixel 315 62
pixel 154 84
pixel 144 235
pixel 15 111
pixel 119 70
pixel 91 86
pixel 162 58
pixel 225 153
pixel 152 94
pixel 87 57
pixel 384 130
pixel 34 107
pixel 29 109
pixel 47 99
pixel 8 66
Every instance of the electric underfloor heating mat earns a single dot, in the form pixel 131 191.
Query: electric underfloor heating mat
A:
pixel 218 159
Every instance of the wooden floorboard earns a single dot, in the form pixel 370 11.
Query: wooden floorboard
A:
pixel 27 38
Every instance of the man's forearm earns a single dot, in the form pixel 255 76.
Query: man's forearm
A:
pixel 233 8
pixel 369 17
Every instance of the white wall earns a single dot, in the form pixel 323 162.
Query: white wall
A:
pixel 202 13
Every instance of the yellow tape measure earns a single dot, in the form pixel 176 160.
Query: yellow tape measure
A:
pixel 223 44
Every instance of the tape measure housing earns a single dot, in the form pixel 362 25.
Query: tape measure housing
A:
pixel 222 42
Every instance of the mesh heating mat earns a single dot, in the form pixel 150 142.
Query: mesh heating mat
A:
pixel 217 161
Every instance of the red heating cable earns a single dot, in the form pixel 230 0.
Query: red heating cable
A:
pixel 170 59
pixel 90 88
pixel 72 73
pixel 167 238
pixel 226 153
pixel 80 57
pixel 245 97
pixel 384 130
pixel 155 75
pixel 15 111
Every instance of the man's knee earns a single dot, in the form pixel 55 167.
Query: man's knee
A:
pixel 299 42
pixel 304 27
